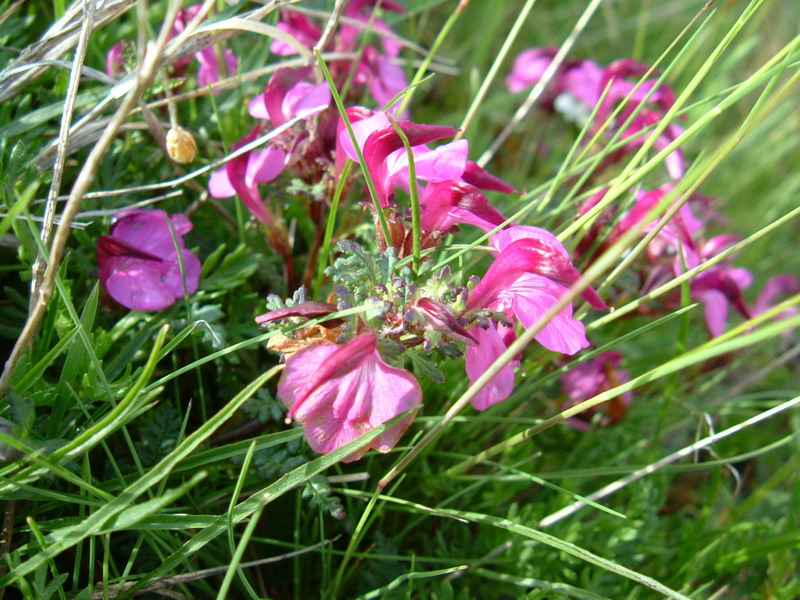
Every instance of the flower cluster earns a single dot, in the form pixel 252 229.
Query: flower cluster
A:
pixel 627 107
pixel 348 373
pixel 209 67
pixel 143 262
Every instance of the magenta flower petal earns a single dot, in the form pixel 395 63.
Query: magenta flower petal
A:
pixel 139 284
pixel 531 297
pixel 447 161
pixel 279 85
pixel 299 26
pixel 287 95
pixel 306 309
pixel 448 203
pixel 258 108
pixel 341 392
pixel 264 165
pixel 238 169
pixel 587 380
pixel 139 265
pixel 715 309
pixel 437 316
pixel 114 64
pixel 528 255
pixel 779 285
pixel 492 342
pixel 387 80
pixel 381 143
pixel 219 186
pixel 476 175
pixel 505 237
pixel 305 99
pixel 529 66
pixel 582 81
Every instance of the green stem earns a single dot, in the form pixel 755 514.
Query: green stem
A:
pixel 416 231
pixel 324 255
pixel 342 113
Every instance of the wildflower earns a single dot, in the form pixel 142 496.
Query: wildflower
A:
pixel 298 26
pixel 287 95
pixel 720 286
pixel 593 377
pixel 777 286
pixel 529 67
pixel 358 10
pixel 114 60
pixel 387 159
pixel 339 393
pixel 435 316
pixel 780 285
pixel 243 173
pixel 492 342
pixel 447 203
pixel 139 263
pixel 209 71
pixel 531 273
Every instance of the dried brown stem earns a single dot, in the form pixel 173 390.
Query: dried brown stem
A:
pixel 144 78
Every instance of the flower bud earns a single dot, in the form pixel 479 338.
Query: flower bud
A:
pixel 180 145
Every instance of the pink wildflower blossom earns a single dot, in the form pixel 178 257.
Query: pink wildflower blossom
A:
pixel 286 96
pixel 531 273
pixel 339 393
pixel 529 67
pixel 139 265
pixel 492 342
pixel 298 26
pixel 780 285
pixel 114 64
pixel 387 159
pixel 209 71
pixel 593 377
pixel 720 286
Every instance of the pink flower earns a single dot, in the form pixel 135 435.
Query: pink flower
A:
pixel 339 393
pixel 300 27
pixel 448 203
pixel 582 81
pixel 587 380
pixel 114 63
pixel 624 75
pixel 492 342
pixel 530 251
pixel 675 162
pixel 720 286
pixel 529 66
pixel 208 72
pixel 530 275
pixel 360 10
pixel 207 57
pixel 780 285
pixel 387 160
pixel 139 265
pixel 288 95
pixel 242 175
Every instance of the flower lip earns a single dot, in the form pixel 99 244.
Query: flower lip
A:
pixel 529 255
pixel 306 309
pixel 343 360
pixel 439 317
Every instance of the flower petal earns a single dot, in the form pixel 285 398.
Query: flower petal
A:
pixel 491 344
